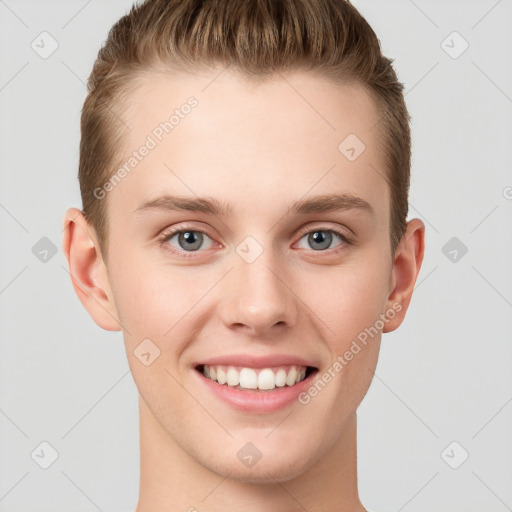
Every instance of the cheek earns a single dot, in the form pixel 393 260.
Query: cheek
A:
pixel 157 304
pixel 152 298
pixel 348 300
pixel 349 309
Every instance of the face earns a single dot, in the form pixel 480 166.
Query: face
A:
pixel 276 255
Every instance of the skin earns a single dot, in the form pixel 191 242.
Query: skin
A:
pixel 259 148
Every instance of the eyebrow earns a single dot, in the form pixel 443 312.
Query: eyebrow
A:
pixel 210 205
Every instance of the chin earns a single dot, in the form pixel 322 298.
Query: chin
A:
pixel 267 470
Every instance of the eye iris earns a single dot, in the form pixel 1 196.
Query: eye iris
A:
pixel 191 237
pixel 321 237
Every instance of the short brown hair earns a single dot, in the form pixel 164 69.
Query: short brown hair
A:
pixel 257 38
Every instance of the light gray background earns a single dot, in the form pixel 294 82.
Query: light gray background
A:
pixel 444 376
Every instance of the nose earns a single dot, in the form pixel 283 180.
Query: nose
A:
pixel 257 298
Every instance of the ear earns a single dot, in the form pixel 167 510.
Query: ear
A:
pixel 405 270
pixel 88 271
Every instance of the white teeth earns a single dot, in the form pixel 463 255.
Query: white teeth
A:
pixel 233 377
pixel 249 378
pixel 299 377
pixel 291 377
pixel 280 378
pixel 221 376
pixel 266 379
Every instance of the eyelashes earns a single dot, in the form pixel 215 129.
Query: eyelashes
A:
pixel 196 237
pixel 345 238
pixel 164 240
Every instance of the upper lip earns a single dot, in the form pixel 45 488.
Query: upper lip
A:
pixel 248 361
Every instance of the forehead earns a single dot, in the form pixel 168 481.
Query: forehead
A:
pixel 217 133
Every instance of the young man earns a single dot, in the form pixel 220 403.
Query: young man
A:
pixel 244 170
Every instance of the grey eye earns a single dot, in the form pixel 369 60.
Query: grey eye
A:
pixel 188 240
pixel 322 239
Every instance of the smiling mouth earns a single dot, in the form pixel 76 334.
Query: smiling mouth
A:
pixel 256 379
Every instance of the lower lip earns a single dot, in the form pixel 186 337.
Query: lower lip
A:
pixel 254 400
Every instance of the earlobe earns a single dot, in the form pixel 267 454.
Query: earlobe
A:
pixel 87 270
pixel 406 267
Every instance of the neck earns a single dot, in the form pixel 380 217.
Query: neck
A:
pixel 170 479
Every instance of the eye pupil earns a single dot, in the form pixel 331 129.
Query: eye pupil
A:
pixel 320 237
pixel 191 237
